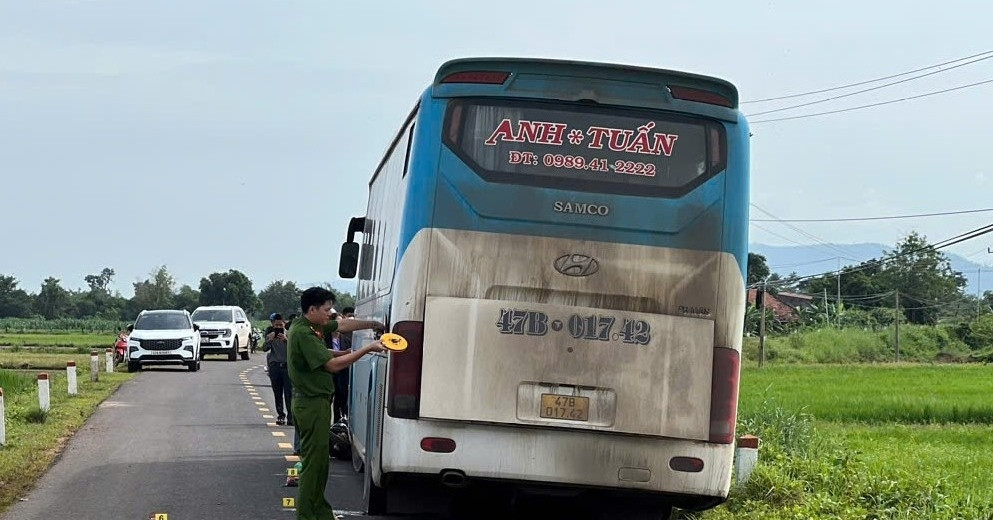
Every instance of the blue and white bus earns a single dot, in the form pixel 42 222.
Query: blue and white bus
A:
pixel 563 244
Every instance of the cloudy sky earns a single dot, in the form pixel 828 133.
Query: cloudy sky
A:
pixel 208 135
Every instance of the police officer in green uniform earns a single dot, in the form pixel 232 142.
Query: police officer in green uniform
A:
pixel 310 366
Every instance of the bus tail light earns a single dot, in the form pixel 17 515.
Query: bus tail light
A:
pixel 437 445
pixel 477 77
pixel 686 464
pixel 403 399
pixel 724 395
pixel 700 96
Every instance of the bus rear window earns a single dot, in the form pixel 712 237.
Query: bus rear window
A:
pixel 585 148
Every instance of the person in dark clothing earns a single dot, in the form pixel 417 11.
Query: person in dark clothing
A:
pixel 341 379
pixel 276 361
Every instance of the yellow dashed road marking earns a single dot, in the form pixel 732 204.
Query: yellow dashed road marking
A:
pixel 285 445
pixel 278 434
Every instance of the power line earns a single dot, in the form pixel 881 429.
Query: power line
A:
pixel 890 217
pixel 871 105
pixel 870 89
pixel 866 82
pixel 773 233
pixel 803 263
pixel 948 242
pixel 836 249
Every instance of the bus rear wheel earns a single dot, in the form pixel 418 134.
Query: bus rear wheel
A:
pixel 374 496
pixel 634 512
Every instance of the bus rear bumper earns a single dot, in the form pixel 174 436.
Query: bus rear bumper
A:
pixel 558 457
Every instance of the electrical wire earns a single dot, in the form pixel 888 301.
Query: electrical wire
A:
pixel 870 89
pixel 890 217
pixel 844 254
pixel 871 105
pixel 948 242
pixel 866 82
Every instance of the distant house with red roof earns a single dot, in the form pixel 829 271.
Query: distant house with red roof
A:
pixel 784 305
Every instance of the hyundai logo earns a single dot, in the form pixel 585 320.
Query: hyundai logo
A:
pixel 576 265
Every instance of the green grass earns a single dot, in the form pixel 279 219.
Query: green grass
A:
pixel 31 447
pixel 12 381
pixel 961 453
pixel 46 361
pixel 865 442
pixel 918 343
pixel 875 394
pixel 33 339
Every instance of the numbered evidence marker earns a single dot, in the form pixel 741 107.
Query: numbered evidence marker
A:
pixel 289 502
pixel 160 516
pixel 292 472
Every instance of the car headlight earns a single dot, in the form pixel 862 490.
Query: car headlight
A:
pixel 227 333
pixel 189 339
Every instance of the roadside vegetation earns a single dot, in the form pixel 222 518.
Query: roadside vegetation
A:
pixel 865 442
pixel 35 438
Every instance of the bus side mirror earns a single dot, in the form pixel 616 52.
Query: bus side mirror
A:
pixel 349 262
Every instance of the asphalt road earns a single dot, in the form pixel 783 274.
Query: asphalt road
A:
pixel 201 446
pixel 188 445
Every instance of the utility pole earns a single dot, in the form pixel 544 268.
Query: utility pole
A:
pixel 979 292
pixel 839 293
pixel 896 323
pixel 760 303
pixel 827 311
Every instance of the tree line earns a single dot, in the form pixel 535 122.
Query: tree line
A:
pixel 158 291
pixel 913 277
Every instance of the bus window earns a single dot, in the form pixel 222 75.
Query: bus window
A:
pixel 585 148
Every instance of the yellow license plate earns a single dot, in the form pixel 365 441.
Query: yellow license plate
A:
pixel 565 407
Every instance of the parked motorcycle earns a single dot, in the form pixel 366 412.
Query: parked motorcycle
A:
pixel 254 338
pixel 121 345
pixel 120 348
pixel 340 444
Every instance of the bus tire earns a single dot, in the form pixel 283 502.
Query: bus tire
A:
pixel 635 512
pixel 374 496
pixel 357 464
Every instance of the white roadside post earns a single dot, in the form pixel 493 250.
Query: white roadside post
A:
pixel 44 392
pixel 71 377
pixel 3 422
pixel 94 366
pixel 110 361
pixel 746 458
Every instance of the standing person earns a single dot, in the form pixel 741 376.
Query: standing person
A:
pixel 341 379
pixel 311 365
pixel 278 369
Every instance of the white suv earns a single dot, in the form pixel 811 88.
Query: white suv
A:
pixel 223 330
pixel 164 337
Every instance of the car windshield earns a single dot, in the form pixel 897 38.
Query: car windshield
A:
pixel 212 315
pixel 162 321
